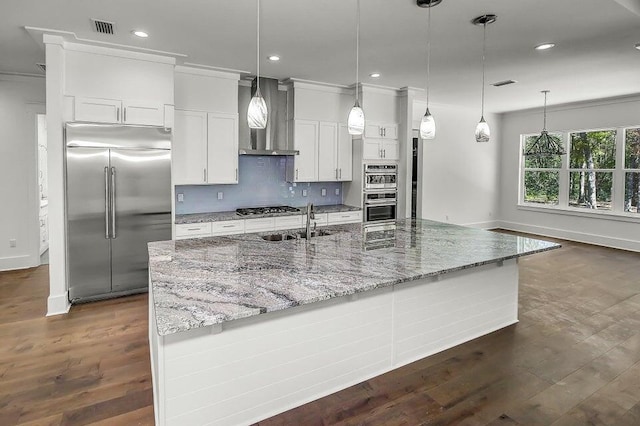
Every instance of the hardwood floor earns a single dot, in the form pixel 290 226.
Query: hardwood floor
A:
pixel 573 359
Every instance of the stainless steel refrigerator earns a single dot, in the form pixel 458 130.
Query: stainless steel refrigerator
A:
pixel 118 196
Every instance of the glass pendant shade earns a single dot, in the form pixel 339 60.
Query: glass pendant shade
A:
pixel 257 112
pixel 355 122
pixel 483 133
pixel 427 126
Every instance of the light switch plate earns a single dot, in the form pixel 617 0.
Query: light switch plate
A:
pixel 304 192
pixel 337 191
pixel 180 198
pixel 12 242
pixel 323 192
pixel 220 195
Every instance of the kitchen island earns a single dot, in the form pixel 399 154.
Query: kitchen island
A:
pixel 242 328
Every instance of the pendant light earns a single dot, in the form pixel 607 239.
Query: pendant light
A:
pixel 428 124
pixel 257 113
pixel 355 122
pixel 545 144
pixel 483 132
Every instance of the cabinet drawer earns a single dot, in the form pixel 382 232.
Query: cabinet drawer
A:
pixel 288 222
pixel 227 227
pixel 259 225
pixel 320 219
pixel 187 230
pixel 345 217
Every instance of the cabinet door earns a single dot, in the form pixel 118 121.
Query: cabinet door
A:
pixel 372 130
pixel 390 131
pixel 306 141
pixel 390 149
pixel 222 164
pixel 189 148
pixel 345 154
pixel 144 113
pixel 97 110
pixel 371 149
pixel 327 152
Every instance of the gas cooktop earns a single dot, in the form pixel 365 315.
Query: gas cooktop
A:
pixel 266 210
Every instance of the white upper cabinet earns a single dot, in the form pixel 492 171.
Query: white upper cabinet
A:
pixel 97 110
pixel 189 148
pixel 222 157
pixel 144 113
pixel 380 139
pixel 205 142
pixel 345 154
pixel 304 167
pixel 328 152
pixel 205 148
pixel 115 86
pixel 319 132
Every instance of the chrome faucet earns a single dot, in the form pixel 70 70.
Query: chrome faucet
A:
pixel 310 215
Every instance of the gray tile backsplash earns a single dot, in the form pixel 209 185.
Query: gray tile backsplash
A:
pixel 261 183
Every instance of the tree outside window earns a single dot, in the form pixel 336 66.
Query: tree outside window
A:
pixel 592 161
pixel 632 170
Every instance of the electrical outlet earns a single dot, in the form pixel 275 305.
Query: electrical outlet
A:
pixel 304 192
pixel 180 198
pixel 337 191
pixel 12 242
pixel 323 192
pixel 220 195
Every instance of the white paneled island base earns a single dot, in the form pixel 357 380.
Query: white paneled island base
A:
pixel 246 370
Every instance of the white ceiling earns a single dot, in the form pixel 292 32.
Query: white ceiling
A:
pixel 594 57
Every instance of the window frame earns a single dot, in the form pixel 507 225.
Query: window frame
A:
pixel 618 178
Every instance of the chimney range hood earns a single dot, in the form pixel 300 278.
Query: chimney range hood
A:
pixel 265 141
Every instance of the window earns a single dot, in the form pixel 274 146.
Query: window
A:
pixel 541 176
pixel 601 172
pixel 592 161
pixel 632 170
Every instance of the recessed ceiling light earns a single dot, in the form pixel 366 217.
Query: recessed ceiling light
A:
pixel 638 46
pixel 274 58
pixel 140 34
pixel 374 75
pixel 545 46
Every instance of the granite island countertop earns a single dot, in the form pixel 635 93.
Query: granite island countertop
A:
pixel 201 282
pixel 232 215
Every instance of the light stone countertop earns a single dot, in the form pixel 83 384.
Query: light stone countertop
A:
pixel 222 216
pixel 206 281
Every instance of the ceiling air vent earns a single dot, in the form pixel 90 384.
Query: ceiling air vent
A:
pixel 504 83
pixel 103 27
pixel 42 67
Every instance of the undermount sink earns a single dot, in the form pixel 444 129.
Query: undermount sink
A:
pixel 318 233
pixel 278 237
pixel 297 235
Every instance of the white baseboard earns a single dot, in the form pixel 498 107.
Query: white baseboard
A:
pixel 17 262
pixel 581 237
pixel 58 304
pixel 483 225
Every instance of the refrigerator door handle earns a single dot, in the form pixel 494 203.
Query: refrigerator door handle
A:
pixel 113 202
pixel 106 203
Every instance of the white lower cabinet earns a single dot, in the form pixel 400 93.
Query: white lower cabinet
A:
pixel 259 225
pixel 344 217
pixel 192 230
pixel 288 222
pixel 227 227
pixel 263 224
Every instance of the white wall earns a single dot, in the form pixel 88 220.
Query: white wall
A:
pixel 20 99
pixel 588 115
pixel 459 175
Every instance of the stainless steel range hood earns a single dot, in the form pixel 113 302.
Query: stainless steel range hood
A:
pixel 266 141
